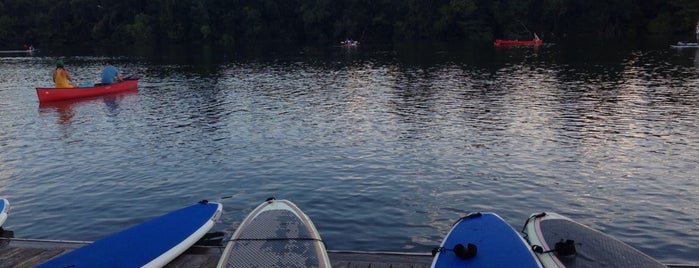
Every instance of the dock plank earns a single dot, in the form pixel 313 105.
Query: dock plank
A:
pixel 17 252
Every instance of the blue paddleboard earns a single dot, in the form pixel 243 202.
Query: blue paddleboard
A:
pixel 151 244
pixel 483 239
pixel 4 209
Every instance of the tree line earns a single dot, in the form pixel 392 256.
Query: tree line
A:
pixel 227 22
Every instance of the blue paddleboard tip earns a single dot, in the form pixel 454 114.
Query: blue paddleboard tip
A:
pixel 473 215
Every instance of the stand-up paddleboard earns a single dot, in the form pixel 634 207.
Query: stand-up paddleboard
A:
pixel 483 239
pixel 20 51
pixel 4 209
pixel 276 234
pixel 151 244
pixel 684 45
pixel 561 242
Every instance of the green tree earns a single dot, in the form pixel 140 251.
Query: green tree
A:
pixel 456 19
pixel 6 23
pixel 141 31
pixel 315 16
pixel 324 21
pixel 199 28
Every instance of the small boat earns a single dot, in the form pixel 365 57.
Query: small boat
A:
pixel 502 42
pixel 31 51
pixel 19 51
pixel 534 42
pixel 684 45
pixel 55 94
pixel 349 43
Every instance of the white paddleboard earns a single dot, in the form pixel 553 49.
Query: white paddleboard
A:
pixel 563 242
pixel 276 234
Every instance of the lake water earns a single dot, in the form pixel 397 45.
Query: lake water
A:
pixel 384 147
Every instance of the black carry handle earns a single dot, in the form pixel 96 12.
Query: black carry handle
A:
pixel 461 251
pixel 467 252
pixel 562 248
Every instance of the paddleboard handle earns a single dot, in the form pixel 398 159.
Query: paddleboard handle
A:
pixel 538 215
pixel 467 252
pixel 472 215
pixel 534 216
pixel 468 216
pixel 562 248
pixel 461 251
pixel 565 248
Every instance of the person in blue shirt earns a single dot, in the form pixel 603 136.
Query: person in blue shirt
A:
pixel 110 74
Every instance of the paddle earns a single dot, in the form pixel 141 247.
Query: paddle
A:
pixel 86 84
pixel 525 27
pixel 132 77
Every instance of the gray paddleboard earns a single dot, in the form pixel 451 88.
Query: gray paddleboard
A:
pixel 276 234
pixel 592 248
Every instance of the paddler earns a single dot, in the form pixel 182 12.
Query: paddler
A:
pixel 61 77
pixel 110 74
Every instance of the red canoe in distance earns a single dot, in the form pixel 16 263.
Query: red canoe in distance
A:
pixel 55 94
pixel 501 42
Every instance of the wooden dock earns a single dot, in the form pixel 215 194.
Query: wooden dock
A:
pixel 18 252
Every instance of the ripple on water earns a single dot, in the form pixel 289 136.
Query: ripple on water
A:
pixel 382 152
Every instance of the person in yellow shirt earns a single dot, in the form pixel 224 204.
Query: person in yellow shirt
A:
pixel 62 77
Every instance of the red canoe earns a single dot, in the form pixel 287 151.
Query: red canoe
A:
pixel 500 42
pixel 54 94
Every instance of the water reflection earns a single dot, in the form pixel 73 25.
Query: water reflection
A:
pixel 66 109
pixel 401 141
pixel 63 108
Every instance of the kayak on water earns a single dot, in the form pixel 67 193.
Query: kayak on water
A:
pixel 502 42
pixel 534 42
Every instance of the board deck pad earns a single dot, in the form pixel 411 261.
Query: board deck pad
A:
pixel 497 244
pixel 593 248
pixel 153 243
pixel 276 234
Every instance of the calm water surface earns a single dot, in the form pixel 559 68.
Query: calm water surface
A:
pixel 383 147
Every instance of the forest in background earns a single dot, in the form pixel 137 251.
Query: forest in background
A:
pixel 227 22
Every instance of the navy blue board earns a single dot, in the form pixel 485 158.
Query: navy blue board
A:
pixel 151 244
pixel 493 243
pixel 4 210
